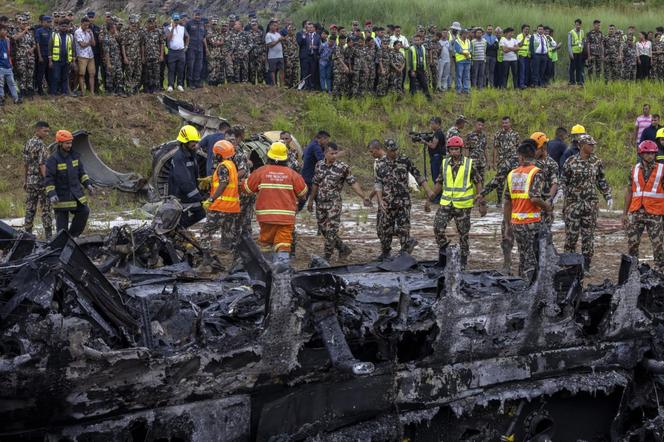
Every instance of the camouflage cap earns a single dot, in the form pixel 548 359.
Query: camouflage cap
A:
pixel 134 18
pixel 461 117
pixel 253 21
pixel 232 17
pixel 239 127
pixel 108 14
pixel 152 18
pixel 214 19
pixel 420 28
pixel 70 13
pixel 586 139
pixel 56 14
pixel 390 144
pixel 355 23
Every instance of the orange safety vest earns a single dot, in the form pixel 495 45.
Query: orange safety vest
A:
pixel 229 201
pixel 649 195
pixel 523 210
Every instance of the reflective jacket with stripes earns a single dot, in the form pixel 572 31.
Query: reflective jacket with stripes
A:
pixel 647 194
pixel 183 180
pixel 65 177
pixel 278 188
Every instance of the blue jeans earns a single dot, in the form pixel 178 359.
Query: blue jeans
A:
pixel 176 63
pixel 524 71
pixel 539 69
pixel 325 74
pixel 194 66
pixel 7 76
pixel 60 78
pixel 463 76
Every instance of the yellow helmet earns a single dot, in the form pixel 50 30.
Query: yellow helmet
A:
pixel 188 133
pixel 660 133
pixel 540 138
pixel 578 130
pixel 278 151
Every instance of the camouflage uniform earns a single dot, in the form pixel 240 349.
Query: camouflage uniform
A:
pixel 247 200
pixel 227 224
pixel 292 161
pixel 526 235
pixel 359 71
pixel 152 42
pixel 398 64
pixel 330 180
pixel 613 53
pixel 392 181
pixel 114 75
pixel 339 73
pixel 595 41
pixel 131 42
pixel 657 70
pixel 505 144
pixel 370 59
pixel 257 56
pixel 550 172
pixel 452 132
pixel 476 144
pixel 35 153
pixel 291 60
pixel 24 62
pixel 240 46
pixel 579 180
pixel 383 78
pixel 629 58
pixel 461 216
pixel 642 220
pixel 215 57
pixel 433 55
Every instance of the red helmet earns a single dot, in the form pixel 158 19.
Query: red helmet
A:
pixel 63 135
pixel 455 141
pixel 224 149
pixel 648 146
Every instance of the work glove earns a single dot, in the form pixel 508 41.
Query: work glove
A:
pixel 54 199
pixel 206 204
pixel 205 183
pixel 91 190
pixel 609 203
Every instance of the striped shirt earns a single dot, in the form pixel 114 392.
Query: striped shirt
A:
pixel 479 49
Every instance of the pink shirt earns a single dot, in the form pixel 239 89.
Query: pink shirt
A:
pixel 642 122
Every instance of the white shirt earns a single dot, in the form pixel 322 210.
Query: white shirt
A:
pixel 401 38
pixel 82 36
pixel 276 51
pixel 177 40
pixel 644 48
pixel 510 44
pixel 445 52
pixel 543 44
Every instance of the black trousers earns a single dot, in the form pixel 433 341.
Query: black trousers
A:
pixel 191 216
pixel 576 69
pixel 78 223
pixel 513 67
pixel 643 67
pixel 419 81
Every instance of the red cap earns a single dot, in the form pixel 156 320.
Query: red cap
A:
pixel 333 26
pixel 368 22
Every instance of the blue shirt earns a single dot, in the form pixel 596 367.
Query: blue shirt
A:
pixel 196 31
pixel 43 37
pixel 207 143
pixel 556 149
pixel 313 153
pixel 326 53
pixel 5 62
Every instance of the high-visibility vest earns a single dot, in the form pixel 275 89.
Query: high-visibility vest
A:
pixel 577 41
pixel 229 201
pixel 458 190
pixel 524 50
pixel 55 55
pixel 465 48
pixel 650 194
pixel 413 57
pixel 553 55
pixel 523 209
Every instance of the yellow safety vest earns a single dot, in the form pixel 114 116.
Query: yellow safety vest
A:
pixel 577 41
pixel 460 190
pixel 413 57
pixel 55 55
pixel 524 50
pixel 465 48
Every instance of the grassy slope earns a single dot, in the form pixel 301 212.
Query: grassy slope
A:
pixel 124 129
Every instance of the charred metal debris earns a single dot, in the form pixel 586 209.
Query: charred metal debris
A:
pixel 117 338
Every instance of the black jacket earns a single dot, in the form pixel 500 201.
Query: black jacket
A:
pixel 183 181
pixel 66 177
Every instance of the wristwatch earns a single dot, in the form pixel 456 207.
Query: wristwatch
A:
pixel 211 199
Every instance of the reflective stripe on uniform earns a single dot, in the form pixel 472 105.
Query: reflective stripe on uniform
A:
pixel 84 178
pixel 62 166
pixel 65 205
pixel 192 193
pixel 275 186
pixel 229 198
pixel 275 212
pixel 49 189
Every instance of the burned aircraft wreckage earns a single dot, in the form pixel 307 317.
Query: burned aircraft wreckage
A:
pixel 118 337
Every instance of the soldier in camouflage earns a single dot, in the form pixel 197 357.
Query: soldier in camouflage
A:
pixel 595 40
pixel 152 54
pixel 240 46
pixel 215 59
pixel 397 64
pixel 291 58
pixel 433 53
pixel 476 145
pixel 549 170
pixel 112 56
pixel 371 58
pixel 645 211
pixel 391 186
pixel 629 55
pixel 293 161
pixel 505 143
pixel 24 65
pixel 456 202
pixel 340 72
pixel 35 153
pixel 359 66
pixel 457 127
pixel 131 54
pixel 657 69
pixel 581 175
pixel 257 53
pixel 383 68
pixel 613 54
pixel 243 164
pixel 328 181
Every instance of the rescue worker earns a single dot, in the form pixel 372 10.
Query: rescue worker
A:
pixel 581 175
pixel 644 203
pixel 183 180
pixel 573 148
pixel 65 179
pixel 35 154
pixel 549 170
pixel 223 205
pixel 461 184
pixel 329 178
pixel 659 140
pixel 278 188
pixel 393 193
pixel 524 204
pixel 505 143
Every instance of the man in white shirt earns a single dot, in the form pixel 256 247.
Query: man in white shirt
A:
pixel 444 77
pixel 509 45
pixel 85 57
pixel 275 53
pixel 177 39
pixel 539 50
pixel 397 36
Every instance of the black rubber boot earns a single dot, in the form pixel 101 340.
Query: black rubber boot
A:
pixel 442 258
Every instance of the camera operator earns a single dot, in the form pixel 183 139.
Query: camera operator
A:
pixel 436 147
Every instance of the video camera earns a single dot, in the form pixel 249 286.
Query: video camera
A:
pixel 421 137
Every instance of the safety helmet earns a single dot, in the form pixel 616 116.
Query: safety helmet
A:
pixel 188 133
pixel 660 133
pixel 278 151
pixel 224 149
pixel 63 135
pixel 577 129
pixel 648 146
pixel 455 141
pixel 539 138
pixel 390 144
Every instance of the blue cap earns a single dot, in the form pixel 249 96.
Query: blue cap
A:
pixel 47 18
pixel 175 16
pixel 91 14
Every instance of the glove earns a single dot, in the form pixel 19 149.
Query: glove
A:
pixel 91 190
pixel 205 183
pixel 609 203
pixel 54 199
pixel 206 204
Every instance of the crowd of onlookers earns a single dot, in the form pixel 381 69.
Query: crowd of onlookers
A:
pixel 63 54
